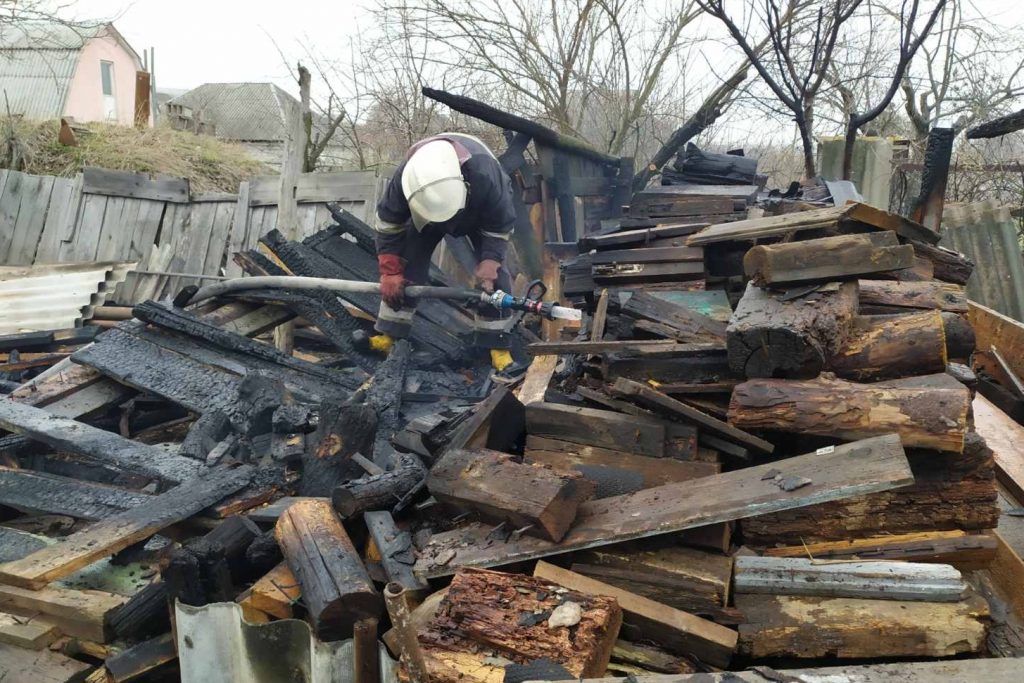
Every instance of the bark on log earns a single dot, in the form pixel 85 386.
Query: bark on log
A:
pixel 885 347
pixel 923 416
pixel 947 265
pixel 960 340
pixel 902 295
pixel 769 336
pixel 335 586
pixel 491 484
pixel 379 492
pixel 827 258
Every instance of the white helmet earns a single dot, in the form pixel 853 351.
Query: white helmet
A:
pixel 432 183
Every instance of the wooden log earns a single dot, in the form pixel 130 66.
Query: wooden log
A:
pixel 923 417
pixel 871 580
pixel 653 397
pixel 960 338
pixel 771 335
pixel 96 444
pixel 684 324
pixel 593 462
pixel 381 491
pixel 482 614
pixel 120 531
pixel 947 265
pixel 335 586
pixel 849 628
pixel 826 259
pixel 494 486
pixel 959 548
pixel 692 580
pixel 672 629
pixel 397 552
pixel 901 295
pixel 868 466
pixel 886 347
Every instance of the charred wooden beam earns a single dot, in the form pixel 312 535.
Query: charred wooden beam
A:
pixel 397 552
pixel 927 208
pixel 379 492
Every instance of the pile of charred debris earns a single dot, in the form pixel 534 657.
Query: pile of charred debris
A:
pixel 755 454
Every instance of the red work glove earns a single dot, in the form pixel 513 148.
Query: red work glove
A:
pixel 487 274
pixel 392 279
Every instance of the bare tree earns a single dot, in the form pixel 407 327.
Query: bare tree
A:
pixel 910 39
pixel 797 64
pixel 560 62
pixel 967 69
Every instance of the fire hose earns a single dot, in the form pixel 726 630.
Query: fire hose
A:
pixel 498 299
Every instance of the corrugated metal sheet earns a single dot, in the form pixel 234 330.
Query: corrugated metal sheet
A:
pixel 987 233
pixel 240 111
pixel 215 645
pixel 48 35
pixel 54 297
pixel 37 81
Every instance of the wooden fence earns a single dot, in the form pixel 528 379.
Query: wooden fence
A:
pixel 103 215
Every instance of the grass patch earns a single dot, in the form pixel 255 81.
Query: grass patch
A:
pixel 209 164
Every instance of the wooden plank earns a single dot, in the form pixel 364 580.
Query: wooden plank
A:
pixel 640 273
pixel 641 237
pixel 626 346
pixel 239 230
pixel 595 461
pixel 88 226
pixel 39 666
pixel 42 493
pixel 994 670
pixel 1004 437
pixel 603 428
pixel 672 629
pixel 653 397
pixel 26 632
pixel 77 613
pixel 768 226
pixel 1007 572
pixel 648 255
pixel 599 321
pixel 783 626
pixel 858 468
pixel 992 328
pixel 35 198
pixel 316 187
pixel 538 377
pixel 911 581
pixel 883 220
pixel 101 181
pixel 396 549
pixel 687 325
pixel 120 531
pixel 96 444
pixel 960 548
pixel 66 193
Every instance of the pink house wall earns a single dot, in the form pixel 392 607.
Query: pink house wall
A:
pixel 85 96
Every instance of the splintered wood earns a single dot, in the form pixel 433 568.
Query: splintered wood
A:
pixel 487 616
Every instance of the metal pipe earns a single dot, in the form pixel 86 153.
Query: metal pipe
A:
pixel 397 598
pixel 247 284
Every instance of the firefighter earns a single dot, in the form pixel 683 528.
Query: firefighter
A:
pixel 448 184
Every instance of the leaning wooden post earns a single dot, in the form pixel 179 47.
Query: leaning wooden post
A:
pixel 287 200
pixel 366 653
pixel 397 599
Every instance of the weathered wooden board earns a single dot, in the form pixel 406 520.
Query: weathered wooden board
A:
pixel 538 377
pixel 959 548
pixel 867 466
pixel 673 629
pixel 120 531
pixel 603 428
pixel 98 445
pixel 102 181
pixel 39 666
pixel 1006 439
pixel 77 613
pixel 850 628
pixel 872 580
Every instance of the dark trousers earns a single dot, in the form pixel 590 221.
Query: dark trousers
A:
pixel 490 325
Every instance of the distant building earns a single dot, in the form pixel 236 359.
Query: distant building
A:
pixel 50 70
pixel 253 114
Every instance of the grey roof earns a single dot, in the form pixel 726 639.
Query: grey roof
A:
pixel 240 111
pixel 37 63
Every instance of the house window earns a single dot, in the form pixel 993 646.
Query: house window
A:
pixel 107 83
